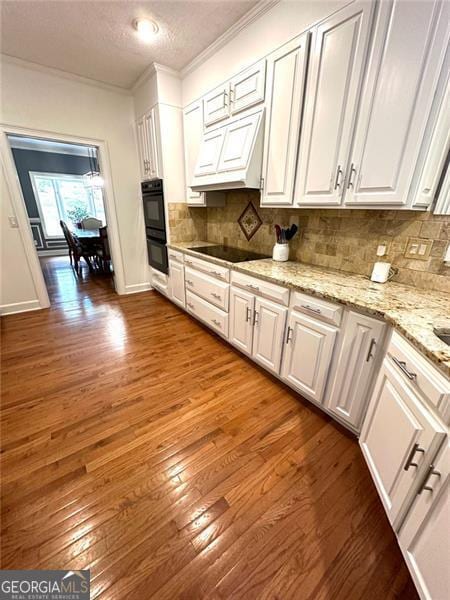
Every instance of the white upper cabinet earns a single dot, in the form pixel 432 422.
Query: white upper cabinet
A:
pixel 337 58
pixel 216 105
pixel 247 88
pixel 193 132
pixel 308 352
pixel 424 535
pixel 149 154
pixel 359 351
pixel 239 140
pixel 210 150
pixel 269 324
pixel 285 90
pixel 399 439
pixel 406 57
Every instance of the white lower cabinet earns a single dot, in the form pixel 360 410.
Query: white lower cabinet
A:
pixel 424 535
pixel 269 324
pixel 176 271
pixel 308 353
pixel 359 350
pixel 399 439
pixel 242 305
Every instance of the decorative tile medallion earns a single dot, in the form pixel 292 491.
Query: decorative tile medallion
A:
pixel 249 221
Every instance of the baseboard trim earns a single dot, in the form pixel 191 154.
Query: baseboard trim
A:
pixel 19 307
pixel 138 287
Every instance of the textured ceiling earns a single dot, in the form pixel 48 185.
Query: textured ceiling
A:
pixel 95 39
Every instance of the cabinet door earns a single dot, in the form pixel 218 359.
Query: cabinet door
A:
pixel 193 133
pixel 143 148
pixel 269 324
pixel 216 106
pixel 242 306
pixel 423 536
pixel 240 137
pixel 403 69
pixel 210 149
pixel 355 367
pixel 308 353
pixel 285 91
pixel 150 130
pixel 247 88
pixel 399 439
pixel 177 282
pixel 337 56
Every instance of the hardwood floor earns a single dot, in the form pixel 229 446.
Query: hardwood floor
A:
pixel 142 447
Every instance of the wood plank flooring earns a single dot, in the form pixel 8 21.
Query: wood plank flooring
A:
pixel 137 444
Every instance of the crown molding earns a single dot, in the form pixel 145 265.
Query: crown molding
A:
pixel 252 15
pixel 6 58
pixel 152 69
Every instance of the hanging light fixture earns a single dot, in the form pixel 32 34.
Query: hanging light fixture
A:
pixel 93 178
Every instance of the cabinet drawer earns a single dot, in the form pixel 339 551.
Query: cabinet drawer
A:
pixel 211 315
pixel 421 375
pixel 175 255
pixel 321 309
pixel 222 273
pixel 209 288
pixel 160 281
pixel 261 288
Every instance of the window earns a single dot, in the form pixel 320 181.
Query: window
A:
pixel 66 198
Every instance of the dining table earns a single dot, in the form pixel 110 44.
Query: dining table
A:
pixel 90 240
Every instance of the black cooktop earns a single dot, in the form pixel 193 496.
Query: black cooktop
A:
pixel 233 255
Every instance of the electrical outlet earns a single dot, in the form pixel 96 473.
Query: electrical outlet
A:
pixel 418 248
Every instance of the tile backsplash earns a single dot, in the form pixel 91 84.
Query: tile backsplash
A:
pixel 340 239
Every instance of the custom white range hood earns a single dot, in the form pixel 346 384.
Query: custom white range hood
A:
pixel 231 156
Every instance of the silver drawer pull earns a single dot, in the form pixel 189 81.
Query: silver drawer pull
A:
pixel 401 364
pixel 373 343
pixel 312 308
pixel 249 315
pixel 218 296
pixel 188 262
pixel 431 471
pixel 217 274
pixel 252 287
pixel 289 333
pixel 409 460
pixel 173 256
pixel 216 322
pixel 189 282
pixel 190 305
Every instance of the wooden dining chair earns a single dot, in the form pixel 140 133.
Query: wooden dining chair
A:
pixel 76 250
pixel 103 254
pixel 91 223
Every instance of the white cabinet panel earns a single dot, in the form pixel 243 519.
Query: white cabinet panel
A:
pixel 337 57
pixel 210 150
pixel 209 288
pixel 242 306
pixel 424 536
pixel 361 343
pixel 239 140
pixel 247 88
pixel 399 438
pixel 406 57
pixel 214 317
pixel 193 132
pixel 285 91
pixel 216 105
pixel 176 271
pixel 308 353
pixel 269 325
pixel 147 135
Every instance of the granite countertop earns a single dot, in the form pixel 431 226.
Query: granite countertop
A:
pixel 413 312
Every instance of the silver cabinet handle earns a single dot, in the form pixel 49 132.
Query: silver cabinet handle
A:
pixel 218 296
pixel 337 180
pixel 190 305
pixel 188 262
pixel 312 309
pixel 289 333
pixel 431 471
pixel 401 364
pixel 216 322
pixel 173 256
pixel 189 282
pixel 252 287
pixel 350 178
pixel 217 274
pixel 255 317
pixel 249 315
pixel 409 460
pixel 373 343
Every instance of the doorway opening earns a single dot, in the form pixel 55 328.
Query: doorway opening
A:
pixel 62 189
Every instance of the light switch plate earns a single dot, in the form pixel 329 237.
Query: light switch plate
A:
pixel 418 248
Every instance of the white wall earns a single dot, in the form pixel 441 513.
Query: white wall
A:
pixel 44 101
pixel 273 29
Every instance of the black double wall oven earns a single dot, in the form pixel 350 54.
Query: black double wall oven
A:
pixel 155 224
